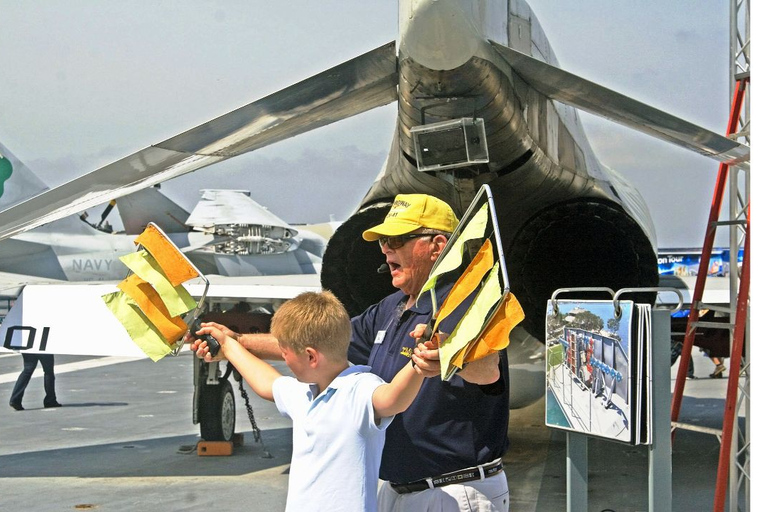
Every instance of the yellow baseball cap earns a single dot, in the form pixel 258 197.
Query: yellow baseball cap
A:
pixel 410 212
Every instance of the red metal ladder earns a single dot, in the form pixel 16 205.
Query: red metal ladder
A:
pixel 737 345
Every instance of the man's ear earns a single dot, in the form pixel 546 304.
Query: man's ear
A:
pixel 440 241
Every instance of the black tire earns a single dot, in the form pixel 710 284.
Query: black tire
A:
pixel 216 411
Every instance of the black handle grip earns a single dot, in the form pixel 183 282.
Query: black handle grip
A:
pixel 213 345
pixel 428 332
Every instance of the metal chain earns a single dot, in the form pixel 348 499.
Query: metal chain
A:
pixel 256 431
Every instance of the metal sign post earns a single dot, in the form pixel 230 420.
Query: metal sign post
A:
pixel 660 449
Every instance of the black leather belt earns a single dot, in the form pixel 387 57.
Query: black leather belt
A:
pixel 455 477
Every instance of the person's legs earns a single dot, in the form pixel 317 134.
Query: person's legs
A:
pixel 609 394
pixel 30 363
pixel 719 367
pixel 677 349
pixel 597 382
pixel 49 381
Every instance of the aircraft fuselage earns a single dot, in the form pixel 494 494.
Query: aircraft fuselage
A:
pixel 566 220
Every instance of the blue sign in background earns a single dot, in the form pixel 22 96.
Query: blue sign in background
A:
pixel 687 263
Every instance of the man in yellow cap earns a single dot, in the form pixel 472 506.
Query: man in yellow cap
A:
pixel 444 452
pixel 415 221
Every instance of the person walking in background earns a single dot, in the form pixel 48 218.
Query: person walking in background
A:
pixel 49 380
pixel 719 363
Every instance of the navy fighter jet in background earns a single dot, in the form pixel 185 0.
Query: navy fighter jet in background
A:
pixel 227 234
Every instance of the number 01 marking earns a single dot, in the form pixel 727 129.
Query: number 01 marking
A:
pixel 29 338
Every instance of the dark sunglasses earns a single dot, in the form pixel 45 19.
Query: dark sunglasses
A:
pixel 396 242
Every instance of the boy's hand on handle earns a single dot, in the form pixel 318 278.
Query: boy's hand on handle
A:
pixel 201 346
pixel 426 357
pixel 211 343
pixel 212 337
pixel 426 367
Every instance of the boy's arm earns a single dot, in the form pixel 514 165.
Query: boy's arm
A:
pixel 395 397
pixel 259 374
pixel 262 345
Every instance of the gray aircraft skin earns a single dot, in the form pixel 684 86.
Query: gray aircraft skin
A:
pixel 227 234
pixel 75 250
pixel 566 219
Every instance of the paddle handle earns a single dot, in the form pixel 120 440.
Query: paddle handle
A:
pixel 428 332
pixel 213 345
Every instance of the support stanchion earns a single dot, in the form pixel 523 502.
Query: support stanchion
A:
pixel 660 451
pixel 576 472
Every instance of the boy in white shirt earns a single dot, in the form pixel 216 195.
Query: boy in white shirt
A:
pixel 339 412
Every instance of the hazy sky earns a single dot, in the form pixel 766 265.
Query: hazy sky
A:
pixel 84 83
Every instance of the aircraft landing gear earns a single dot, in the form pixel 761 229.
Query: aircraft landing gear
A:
pixel 217 411
pixel 213 402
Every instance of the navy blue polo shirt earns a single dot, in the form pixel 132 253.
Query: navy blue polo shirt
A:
pixel 450 425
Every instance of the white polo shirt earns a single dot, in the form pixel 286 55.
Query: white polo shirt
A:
pixel 337 444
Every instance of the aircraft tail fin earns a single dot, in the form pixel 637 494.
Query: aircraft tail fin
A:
pixel 150 205
pixel 573 90
pixel 17 181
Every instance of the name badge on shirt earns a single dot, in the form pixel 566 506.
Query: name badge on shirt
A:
pixel 379 337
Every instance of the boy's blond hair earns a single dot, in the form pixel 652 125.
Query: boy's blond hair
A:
pixel 313 319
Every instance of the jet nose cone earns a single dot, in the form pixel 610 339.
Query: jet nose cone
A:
pixel 438 34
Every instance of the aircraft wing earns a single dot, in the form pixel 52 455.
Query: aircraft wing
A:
pixel 150 205
pixel 580 93
pixel 12 284
pixel 73 319
pixel 18 256
pixel 358 85
pixel 234 207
